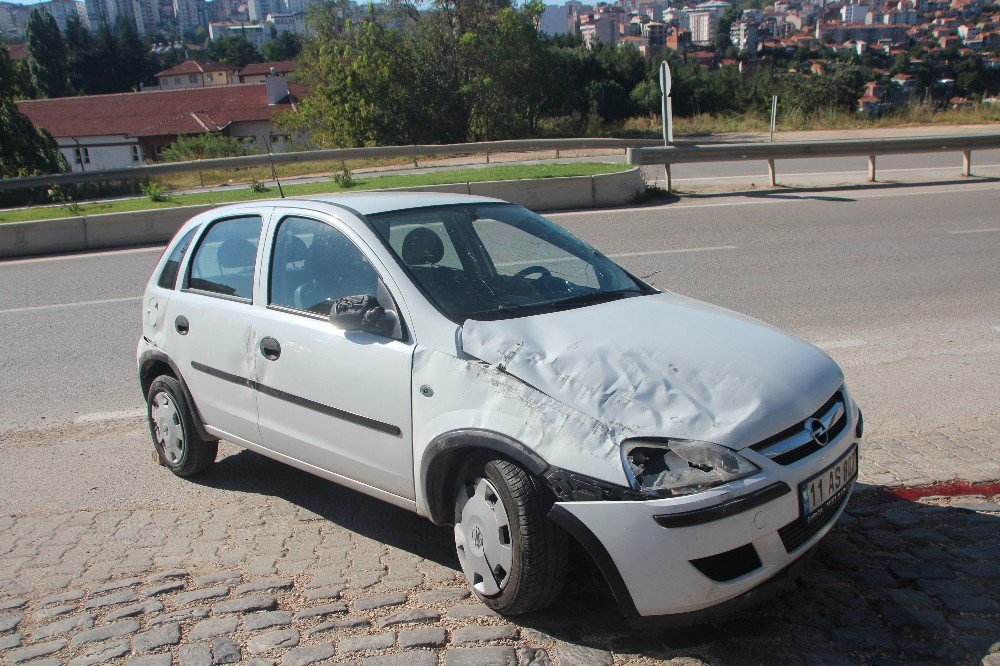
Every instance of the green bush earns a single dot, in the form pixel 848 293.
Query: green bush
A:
pixel 154 191
pixel 258 187
pixel 345 179
pixel 205 146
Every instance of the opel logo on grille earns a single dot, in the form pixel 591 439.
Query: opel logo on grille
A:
pixel 819 432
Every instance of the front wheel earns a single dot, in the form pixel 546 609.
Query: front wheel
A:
pixel 171 423
pixel 513 556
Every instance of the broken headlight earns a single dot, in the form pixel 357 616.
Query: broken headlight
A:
pixel 682 467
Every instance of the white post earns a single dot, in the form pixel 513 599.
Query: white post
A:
pixel 774 114
pixel 871 168
pixel 670 120
pixel 666 111
pixel 966 163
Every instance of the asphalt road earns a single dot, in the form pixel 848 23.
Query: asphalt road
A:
pixel 900 284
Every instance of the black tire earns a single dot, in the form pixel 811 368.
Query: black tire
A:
pixel 195 454
pixel 540 548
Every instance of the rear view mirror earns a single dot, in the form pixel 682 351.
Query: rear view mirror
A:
pixel 362 313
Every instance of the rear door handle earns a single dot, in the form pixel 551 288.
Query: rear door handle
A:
pixel 182 325
pixel 270 348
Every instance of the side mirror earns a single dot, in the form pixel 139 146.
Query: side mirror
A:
pixel 362 313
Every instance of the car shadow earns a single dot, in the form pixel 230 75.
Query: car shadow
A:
pixel 895 582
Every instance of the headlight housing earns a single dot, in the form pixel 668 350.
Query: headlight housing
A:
pixel 681 467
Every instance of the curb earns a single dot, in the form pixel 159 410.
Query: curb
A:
pixel 148 227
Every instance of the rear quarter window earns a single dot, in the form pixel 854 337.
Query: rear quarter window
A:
pixel 168 276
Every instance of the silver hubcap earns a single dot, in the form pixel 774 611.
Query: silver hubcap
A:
pixel 482 537
pixel 167 427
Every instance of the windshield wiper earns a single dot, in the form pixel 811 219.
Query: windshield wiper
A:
pixel 596 297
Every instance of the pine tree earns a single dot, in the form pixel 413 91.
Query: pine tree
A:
pixel 46 54
pixel 80 63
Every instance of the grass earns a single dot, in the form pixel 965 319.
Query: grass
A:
pixel 708 124
pixel 511 172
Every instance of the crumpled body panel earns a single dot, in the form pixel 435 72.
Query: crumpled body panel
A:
pixel 663 366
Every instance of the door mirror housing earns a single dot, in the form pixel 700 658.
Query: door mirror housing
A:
pixel 363 313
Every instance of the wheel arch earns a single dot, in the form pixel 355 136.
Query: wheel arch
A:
pixel 443 457
pixel 154 363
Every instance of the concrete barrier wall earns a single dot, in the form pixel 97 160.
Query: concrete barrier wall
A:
pixel 20 239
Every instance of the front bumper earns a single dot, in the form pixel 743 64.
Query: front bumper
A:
pixel 686 559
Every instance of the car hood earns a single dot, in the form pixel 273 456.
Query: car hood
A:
pixel 663 366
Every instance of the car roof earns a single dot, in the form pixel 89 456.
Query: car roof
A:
pixel 371 203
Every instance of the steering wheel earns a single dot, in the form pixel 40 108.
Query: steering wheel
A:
pixel 541 270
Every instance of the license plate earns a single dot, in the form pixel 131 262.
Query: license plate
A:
pixel 830 484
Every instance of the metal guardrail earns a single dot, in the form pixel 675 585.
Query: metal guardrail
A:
pixel 870 148
pixel 264 160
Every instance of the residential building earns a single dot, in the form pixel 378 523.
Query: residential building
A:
pixel 295 23
pixel 194 74
pixel 114 131
pixel 704 27
pixel 190 14
pixel 555 20
pixel 599 29
pixel 743 35
pixel 259 72
pixel 854 12
pixel 252 33
pixel 60 10
pixel 13 18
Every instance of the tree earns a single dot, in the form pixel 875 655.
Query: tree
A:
pixel 15 80
pixel 24 150
pixel 46 54
pixel 234 50
pixel 286 46
pixel 80 63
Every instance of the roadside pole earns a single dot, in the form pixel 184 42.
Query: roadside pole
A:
pixel 666 115
pixel 774 114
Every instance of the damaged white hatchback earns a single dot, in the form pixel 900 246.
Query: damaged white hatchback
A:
pixel 473 362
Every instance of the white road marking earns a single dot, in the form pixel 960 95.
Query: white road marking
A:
pixel 680 250
pixel 83 255
pixel 840 344
pixel 58 306
pixel 98 417
pixel 974 231
pixel 825 173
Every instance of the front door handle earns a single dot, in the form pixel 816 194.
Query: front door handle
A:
pixel 270 348
pixel 182 325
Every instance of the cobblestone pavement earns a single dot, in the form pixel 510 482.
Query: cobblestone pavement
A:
pixel 282 567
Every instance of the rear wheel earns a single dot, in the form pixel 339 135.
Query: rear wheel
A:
pixel 513 556
pixel 171 423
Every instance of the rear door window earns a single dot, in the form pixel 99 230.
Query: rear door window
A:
pixel 168 278
pixel 226 257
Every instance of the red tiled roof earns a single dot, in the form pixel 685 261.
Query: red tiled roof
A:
pixel 259 68
pixel 18 51
pixel 154 113
pixel 195 67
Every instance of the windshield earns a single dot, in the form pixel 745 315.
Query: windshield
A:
pixel 494 261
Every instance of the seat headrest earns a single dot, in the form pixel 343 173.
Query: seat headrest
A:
pixel 422 246
pixel 237 253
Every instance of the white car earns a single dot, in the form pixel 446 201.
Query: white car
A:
pixel 471 361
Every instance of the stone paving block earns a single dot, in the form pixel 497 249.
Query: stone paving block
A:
pixel 225 651
pixel 247 604
pixel 470 611
pixel 483 634
pixel 8 622
pixel 157 637
pixel 201 594
pixel 148 606
pixel 221 577
pixel 265 585
pixel 115 585
pixel 35 651
pixel 409 615
pixel 179 615
pixel 164 659
pixel 481 656
pixel 9 641
pixel 273 640
pixel 106 632
pixel 194 655
pixel 63 626
pixel 266 620
pixel 371 603
pixel 167 575
pixel 162 588
pixel 307 654
pixel 346 623
pixel 442 596
pixel 216 626
pixel 408 658
pixel 320 611
pixel 423 637
pixel 322 593
pixel 122 597
pixel 13 604
pixel 53 611
pixel 382 641
pixel 101 654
